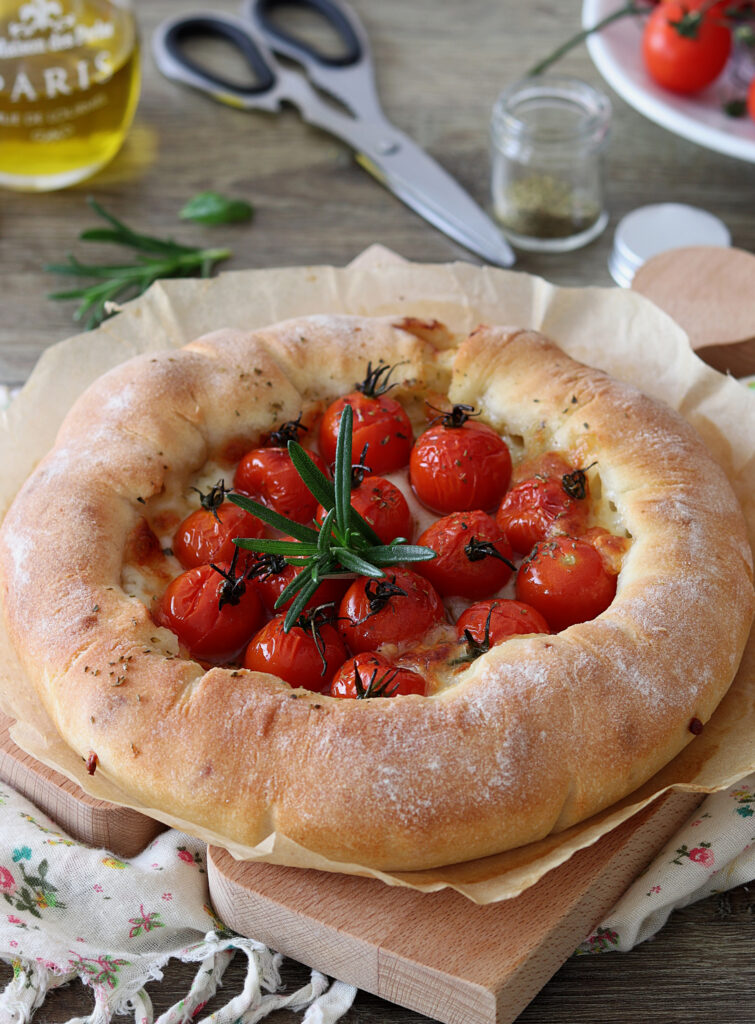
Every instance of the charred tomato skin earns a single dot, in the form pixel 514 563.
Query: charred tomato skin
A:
pixel 539 508
pixel 372 666
pixel 504 618
pixel 461 568
pixel 269 476
pixel 294 656
pixel 205 537
pixel 566 581
pixel 383 506
pixel 402 617
pixel 460 468
pixel 189 607
pixel 379 422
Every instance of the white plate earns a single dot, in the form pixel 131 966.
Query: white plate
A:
pixel 617 53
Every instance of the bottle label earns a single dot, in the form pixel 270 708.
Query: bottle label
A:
pixel 42 28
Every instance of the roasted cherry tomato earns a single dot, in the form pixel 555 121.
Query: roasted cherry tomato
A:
pixel 400 607
pixel 191 608
pixel 383 506
pixel 751 100
pixel 544 506
pixel 487 623
pixel 686 61
pixel 307 656
pixel 458 464
pixel 566 581
pixel 268 475
pixel 379 421
pixel 372 675
pixel 272 575
pixel 207 536
pixel 474 557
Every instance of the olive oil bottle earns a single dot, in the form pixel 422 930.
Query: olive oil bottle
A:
pixel 69 84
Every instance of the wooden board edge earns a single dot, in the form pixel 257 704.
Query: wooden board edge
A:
pixel 120 830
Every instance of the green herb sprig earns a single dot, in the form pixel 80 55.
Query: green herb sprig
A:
pixel 158 258
pixel 343 545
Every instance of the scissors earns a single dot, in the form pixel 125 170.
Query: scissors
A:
pixel 386 152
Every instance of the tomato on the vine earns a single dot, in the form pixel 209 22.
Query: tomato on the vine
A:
pixel 382 505
pixel 207 536
pixel 491 622
pixel 400 607
pixel 372 675
pixel 545 505
pixel 458 464
pixel 379 422
pixel 686 44
pixel 213 614
pixel 473 556
pixel 307 656
pixel 269 476
pixel 272 574
pixel 566 581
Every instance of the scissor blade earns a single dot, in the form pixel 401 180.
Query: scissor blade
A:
pixel 421 183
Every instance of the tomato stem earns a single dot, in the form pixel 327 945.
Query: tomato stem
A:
pixel 629 10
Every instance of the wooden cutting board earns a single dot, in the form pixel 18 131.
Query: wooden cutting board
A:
pixel 436 953
pixel 439 953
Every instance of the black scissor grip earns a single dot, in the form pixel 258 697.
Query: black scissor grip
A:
pixel 196 28
pixel 332 14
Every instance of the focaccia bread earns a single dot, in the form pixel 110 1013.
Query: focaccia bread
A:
pixel 534 736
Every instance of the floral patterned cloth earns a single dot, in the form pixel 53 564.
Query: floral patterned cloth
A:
pixel 713 852
pixel 68 911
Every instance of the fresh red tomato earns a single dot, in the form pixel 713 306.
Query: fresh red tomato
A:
pixel 474 557
pixel 379 422
pixel 459 464
pixel 207 536
pixel 751 100
pixel 268 475
pixel 307 656
pixel 565 580
pixel 383 506
pixel 491 622
pixel 402 606
pixel 372 675
pixel 191 608
pixel 684 61
pixel 543 506
pixel 272 575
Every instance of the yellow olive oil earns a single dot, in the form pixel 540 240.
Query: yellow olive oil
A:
pixel 69 85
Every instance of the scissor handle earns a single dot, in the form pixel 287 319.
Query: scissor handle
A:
pixel 340 18
pixel 168 42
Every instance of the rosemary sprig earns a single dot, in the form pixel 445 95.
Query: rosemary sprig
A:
pixel 157 258
pixel 343 545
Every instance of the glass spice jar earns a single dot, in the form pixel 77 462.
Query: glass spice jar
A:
pixel 69 84
pixel 548 134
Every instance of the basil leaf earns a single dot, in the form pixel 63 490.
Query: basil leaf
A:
pixel 212 208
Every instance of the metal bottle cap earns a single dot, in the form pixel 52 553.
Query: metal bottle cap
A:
pixel 649 230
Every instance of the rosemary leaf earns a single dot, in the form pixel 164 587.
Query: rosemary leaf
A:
pixel 299 603
pixel 325 531
pixel 342 481
pixel 352 561
pixel 270 546
pixel 275 519
pixel 213 208
pixel 155 258
pixel 392 554
pixel 291 589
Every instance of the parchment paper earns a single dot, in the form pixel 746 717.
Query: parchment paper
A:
pixel 614 329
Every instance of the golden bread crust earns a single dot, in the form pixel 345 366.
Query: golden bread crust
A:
pixel 538 734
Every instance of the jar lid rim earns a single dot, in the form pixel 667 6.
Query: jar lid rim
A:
pixel 562 89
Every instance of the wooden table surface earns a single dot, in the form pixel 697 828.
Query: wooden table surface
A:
pixel 440 67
